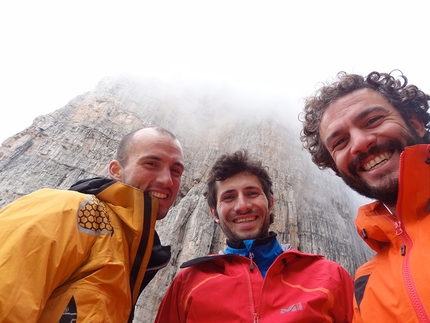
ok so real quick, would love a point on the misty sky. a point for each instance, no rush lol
(52, 51)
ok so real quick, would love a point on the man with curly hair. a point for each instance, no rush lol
(374, 132)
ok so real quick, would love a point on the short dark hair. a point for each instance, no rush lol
(229, 165)
(407, 99)
(126, 141)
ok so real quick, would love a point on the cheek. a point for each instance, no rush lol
(340, 160)
(222, 212)
(177, 182)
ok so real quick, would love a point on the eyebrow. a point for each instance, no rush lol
(227, 191)
(154, 157)
(250, 187)
(363, 114)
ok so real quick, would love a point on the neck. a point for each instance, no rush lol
(258, 241)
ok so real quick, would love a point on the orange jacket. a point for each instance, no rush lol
(74, 256)
(394, 285)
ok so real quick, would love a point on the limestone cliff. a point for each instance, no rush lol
(314, 209)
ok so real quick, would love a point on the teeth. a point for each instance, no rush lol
(159, 195)
(378, 160)
(245, 220)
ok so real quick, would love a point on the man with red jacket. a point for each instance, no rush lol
(256, 279)
(373, 132)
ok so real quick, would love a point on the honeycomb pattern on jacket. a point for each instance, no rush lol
(93, 217)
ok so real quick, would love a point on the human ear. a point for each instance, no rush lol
(214, 214)
(417, 124)
(272, 202)
(115, 170)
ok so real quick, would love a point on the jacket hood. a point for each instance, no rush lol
(373, 228)
(92, 185)
(378, 228)
(125, 200)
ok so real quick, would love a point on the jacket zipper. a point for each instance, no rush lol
(406, 246)
(251, 263)
(251, 269)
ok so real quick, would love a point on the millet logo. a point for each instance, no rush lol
(292, 308)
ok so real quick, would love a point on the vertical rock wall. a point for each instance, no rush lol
(314, 210)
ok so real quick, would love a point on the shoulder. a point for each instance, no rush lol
(44, 201)
(46, 213)
(313, 264)
(203, 260)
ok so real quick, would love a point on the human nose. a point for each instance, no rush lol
(164, 177)
(242, 204)
(361, 141)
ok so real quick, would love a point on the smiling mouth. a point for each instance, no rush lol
(250, 219)
(377, 161)
(158, 195)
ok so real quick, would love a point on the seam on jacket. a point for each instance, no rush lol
(147, 208)
(359, 287)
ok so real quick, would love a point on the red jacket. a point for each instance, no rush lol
(297, 287)
(394, 285)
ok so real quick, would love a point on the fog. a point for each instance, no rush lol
(53, 51)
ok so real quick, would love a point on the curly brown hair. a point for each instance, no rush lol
(407, 99)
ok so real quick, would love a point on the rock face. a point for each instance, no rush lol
(314, 209)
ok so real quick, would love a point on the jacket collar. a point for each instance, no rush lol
(375, 225)
(255, 242)
(262, 251)
(92, 185)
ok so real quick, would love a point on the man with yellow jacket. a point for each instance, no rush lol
(374, 133)
(85, 254)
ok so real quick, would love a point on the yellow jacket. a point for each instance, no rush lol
(75, 257)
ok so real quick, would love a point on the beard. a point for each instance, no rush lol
(261, 231)
(387, 190)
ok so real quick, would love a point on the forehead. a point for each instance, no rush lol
(349, 107)
(150, 142)
(357, 99)
(238, 182)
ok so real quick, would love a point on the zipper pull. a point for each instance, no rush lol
(251, 265)
(428, 155)
(256, 318)
(399, 231)
(398, 226)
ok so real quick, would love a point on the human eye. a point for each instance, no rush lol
(338, 143)
(150, 164)
(253, 193)
(227, 197)
(177, 171)
(374, 121)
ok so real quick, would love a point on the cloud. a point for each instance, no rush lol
(54, 51)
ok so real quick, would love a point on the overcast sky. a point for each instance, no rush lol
(52, 51)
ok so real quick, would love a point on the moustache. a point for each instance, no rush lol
(392, 144)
